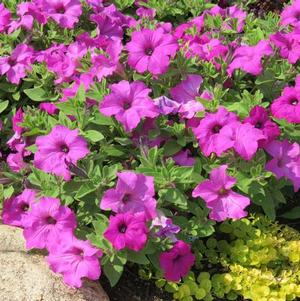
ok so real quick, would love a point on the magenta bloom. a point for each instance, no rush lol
(290, 15)
(48, 107)
(129, 103)
(287, 106)
(5, 16)
(177, 262)
(183, 158)
(244, 138)
(46, 222)
(64, 12)
(248, 58)
(218, 196)
(208, 131)
(18, 118)
(75, 259)
(17, 64)
(16, 162)
(288, 44)
(285, 162)
(126, 230)
(134, 193)
(15, 209)
(259, 118)
(188, 89)
(58, 149)
(151, 50)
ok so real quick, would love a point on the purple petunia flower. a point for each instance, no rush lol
(16, 162)
(218, 196)
(58, 149)
(15, 209)
(134, 193)
(129, 103)
(126, 230)
(290, 15)
(177, 262)
(16, 65)
(151, 50)
(184, 158)
(75, 259)
(46, 222)
(166, 227)
(5, 16)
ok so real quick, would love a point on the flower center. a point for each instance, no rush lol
(50, 220)
(126, 105)
(11, 62)
(149, 51)
(60, 9)
(64, 148)
(258, 125)
(294, 102)
(122, 228)
(223, 192)
(177, 258)
(126, 198)
(216, 129)
(24, 207)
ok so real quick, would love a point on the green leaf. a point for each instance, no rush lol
(85, 189)
(137, 257)
(93, 135)
(113, 272)
(171, 147)
(292, 214)
(3, 105)
(174, 196)
(36, 94)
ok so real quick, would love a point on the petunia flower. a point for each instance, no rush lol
(74, 259)
(15, 162)
(285, 162)
(220, 198)
(290, 14)
(5, 16)
(134, 193)
(177, 262)
(129, 103)
(248, 58)
(16, 65)
(184, 158)
(58, 149)
(15, 209)
(46, 222)
(126, 230)
(151, 50)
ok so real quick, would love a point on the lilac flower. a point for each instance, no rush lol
(244, 138)
(259, 118)
(288, 44)
(75, 259)
(188, 89)
(285, 162)
(166, 227)
(5, 16)
(248, 58)
(15, 209)
(17, 64)
(166, 105)
(46, 222)
(290, 14)
(64, 12)
(58, 149)
(218, 196)
(129, 103)
(177, 262)
(151, 50)
(126, 230)
(183, 158)
(287, 106)
(209, 129)
(134, 193)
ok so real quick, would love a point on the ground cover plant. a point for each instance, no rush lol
(159, 136)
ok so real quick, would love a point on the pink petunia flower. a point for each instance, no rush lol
(47, 223)
(75, 259)
(16, 65)
(166, 105)
(208, 131)
(243, 138)
(285, 162)
(16, 162)
(15, 209)
(290, 14)
(48, 107)
(16, 120)
(184, 158)
(5, 16)
(287, 106)
(65, 13)
(126, 230)
(177, 262)
(288, 44)
(134, 193)
(218, 196)
(259, 118)
(151, 50)
(58, 149)
(248, 58)
(129, 103)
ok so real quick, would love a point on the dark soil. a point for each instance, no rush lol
(132, 288)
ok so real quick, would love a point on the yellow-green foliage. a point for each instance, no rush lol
(253, 258)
